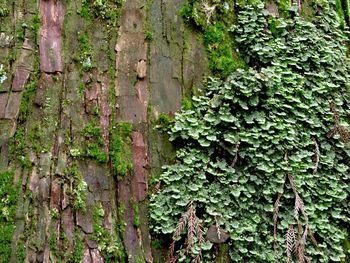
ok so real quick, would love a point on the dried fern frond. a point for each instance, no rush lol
(313, 239)
(194, 229)
(198, 258)
(290, 243)
(218, 231)
(344, 135)
(275, 218)
(317, 156)
(208, 10)
(234, 161)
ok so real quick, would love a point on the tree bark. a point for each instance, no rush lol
(75, 72)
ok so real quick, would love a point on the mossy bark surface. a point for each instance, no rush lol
(84, 86)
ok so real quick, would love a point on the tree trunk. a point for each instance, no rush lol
(82, 84)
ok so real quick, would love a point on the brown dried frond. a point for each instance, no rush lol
(275, 218)
(191, 231)
(300, 247)
(344, 135)
(317, 156)
(299, 204)
(156, 187)
(208, 10)
(311, 235)
(194, 229)
(236, 156)
(180, 226)
(198, 258)
(290, 243)
(218, 231)
(171, 257)
(199, 232)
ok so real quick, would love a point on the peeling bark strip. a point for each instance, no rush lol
(140, 161)
(52, 15)
(133, 96)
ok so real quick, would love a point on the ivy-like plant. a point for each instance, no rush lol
(268, 144)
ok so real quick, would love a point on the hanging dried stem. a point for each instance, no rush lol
(317, 156)
(236, 156)
(295, 244)
(208, 10)
(275, 217)
(344, 135)
(218, 231)
(290, 243)
(194, 229)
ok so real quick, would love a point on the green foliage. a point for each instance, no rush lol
(286, 116)
(120, 148)
(8, 205)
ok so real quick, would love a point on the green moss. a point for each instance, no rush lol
(35, 23)
(148, 35)
(20, 251)
(139, 259)
(95, 143)
(79, 186)
(108, 241)
(223, 60)
(84, 56)
(53, 243)
(284, 5)
(120, 148)
(8, 205)
(186, 103)
(81, 88)
(84, 11)
(18, 148)
(4, 12)
(27, 99)
(78, 251)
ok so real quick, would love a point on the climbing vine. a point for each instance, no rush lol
(265, 153)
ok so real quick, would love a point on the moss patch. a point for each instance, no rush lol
(120, 149)
(8, 196)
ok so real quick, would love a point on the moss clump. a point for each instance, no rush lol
(108, 241)
(284, 5)
(78, 251)
(84, 56)
(223, 60)
(8, 205)
(95, 143)
(18, 148)
(120, 149)
(35, 23)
